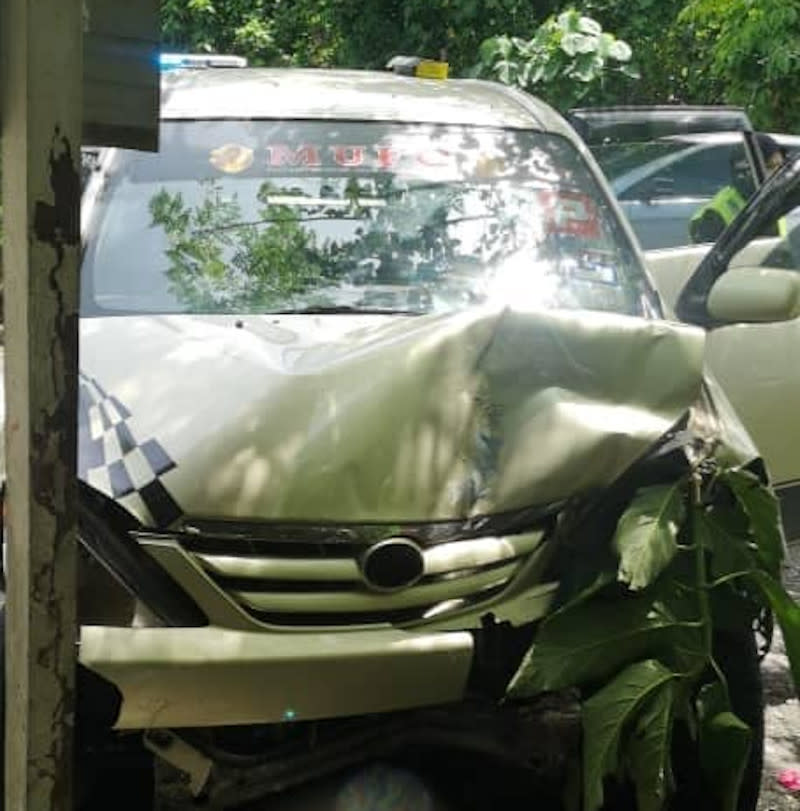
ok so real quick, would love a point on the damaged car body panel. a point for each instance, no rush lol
(245, 677)
(487, 411)
(526, 384)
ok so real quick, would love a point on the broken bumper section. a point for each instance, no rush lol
(181, 677)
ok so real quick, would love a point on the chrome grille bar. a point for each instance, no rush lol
(321, 584)
(447, 557)
(321, 602)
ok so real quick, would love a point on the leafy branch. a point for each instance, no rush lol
(643, 656)
(568, 56)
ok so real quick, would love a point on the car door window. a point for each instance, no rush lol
(695, 172)
(666, 184)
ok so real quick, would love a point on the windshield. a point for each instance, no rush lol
(300, 216)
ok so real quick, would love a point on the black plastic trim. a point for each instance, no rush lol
(104, 530)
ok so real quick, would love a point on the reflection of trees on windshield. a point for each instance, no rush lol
(219, 263)
(222, 261)
(225, 219)
(371, 243)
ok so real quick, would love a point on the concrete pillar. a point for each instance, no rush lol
(41, 119)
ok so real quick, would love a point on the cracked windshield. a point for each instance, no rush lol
(263, 217)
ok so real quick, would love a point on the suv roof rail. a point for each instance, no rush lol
(173, 61)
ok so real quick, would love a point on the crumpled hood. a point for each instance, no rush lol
(373, 419)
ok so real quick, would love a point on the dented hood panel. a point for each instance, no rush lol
(373, 418)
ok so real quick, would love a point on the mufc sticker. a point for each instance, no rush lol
(235, 158)
(111, 460)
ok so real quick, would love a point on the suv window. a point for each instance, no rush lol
(698, 172)
(288, 216)
(664, 184)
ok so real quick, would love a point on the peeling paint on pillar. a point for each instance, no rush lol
(57, 225)
(41, 120)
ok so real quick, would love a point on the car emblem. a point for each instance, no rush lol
(393, 564)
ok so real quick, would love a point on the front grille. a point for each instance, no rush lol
(320, 583)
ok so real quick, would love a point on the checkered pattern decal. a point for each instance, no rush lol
(112, 461)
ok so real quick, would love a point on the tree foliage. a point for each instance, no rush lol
(568, 58)
(690, 51)
(753, 53)
(267, 32)
(217, 260)
(373, 32)
(671, 58)
(643, 655)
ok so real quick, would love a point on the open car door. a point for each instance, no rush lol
(758, 364)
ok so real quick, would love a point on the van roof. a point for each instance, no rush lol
(350, 95)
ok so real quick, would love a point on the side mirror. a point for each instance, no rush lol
(755, 295)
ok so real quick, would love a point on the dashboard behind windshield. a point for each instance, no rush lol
(303, 216)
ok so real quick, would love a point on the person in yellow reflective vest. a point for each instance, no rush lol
(712, 219)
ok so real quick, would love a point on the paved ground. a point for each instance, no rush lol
(782, 750)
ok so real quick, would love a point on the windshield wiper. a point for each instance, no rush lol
(343, 309)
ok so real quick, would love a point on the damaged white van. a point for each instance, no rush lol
(372, 381)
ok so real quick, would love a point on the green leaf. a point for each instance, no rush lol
(648, 749)
(730, 553)
(712, 699)
(761, 507)
(551, 70)
(488, 49)
(568, 20)
(724, 750)
(787, 612)
(620, 50)
(584, 68)
(604, 43)
(606, 714)
(587, 45)
(646, 534)
(590, 641)
(570, 43)
(630, 71)
(503, 71)
(537, 73)
(203, 6)
(586, 25)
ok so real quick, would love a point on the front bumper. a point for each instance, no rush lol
(181, 677)
(241, 670)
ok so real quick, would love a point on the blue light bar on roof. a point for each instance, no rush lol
(171, 61)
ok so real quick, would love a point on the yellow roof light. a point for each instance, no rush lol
(428, 69)
(416, 66)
